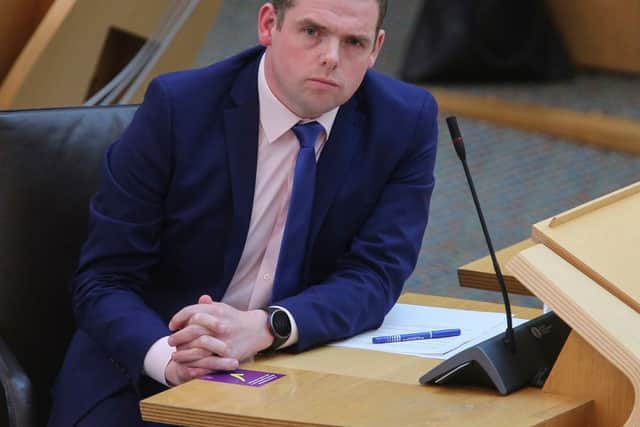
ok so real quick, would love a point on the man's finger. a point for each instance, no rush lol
(214, 363)
(181, 318)
(205, 299)
(189, 355)
(187, 334)
(211, 323)
(207, 344)
(197, 372)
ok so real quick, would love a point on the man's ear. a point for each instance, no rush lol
(376, 48)
(267, 20)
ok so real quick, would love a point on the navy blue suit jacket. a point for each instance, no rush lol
(171, 218)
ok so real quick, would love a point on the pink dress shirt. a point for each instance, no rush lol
(252, 282)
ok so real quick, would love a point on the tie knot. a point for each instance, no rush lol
(307, 133)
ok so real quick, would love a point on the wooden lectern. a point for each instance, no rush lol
(585, 268)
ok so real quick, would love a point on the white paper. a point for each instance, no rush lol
(475, 327)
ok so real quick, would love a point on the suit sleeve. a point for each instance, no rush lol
(370, 276)
(122, 248)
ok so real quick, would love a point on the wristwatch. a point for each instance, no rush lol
(279, 326)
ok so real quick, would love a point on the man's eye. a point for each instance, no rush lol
(354, 42)
(310, 31)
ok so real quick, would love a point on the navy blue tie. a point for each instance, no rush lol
(296, 231)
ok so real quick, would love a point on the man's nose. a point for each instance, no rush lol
(331, 54)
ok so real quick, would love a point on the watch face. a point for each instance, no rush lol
(281, 323)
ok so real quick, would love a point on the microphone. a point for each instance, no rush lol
(497, 362)
(458, 144)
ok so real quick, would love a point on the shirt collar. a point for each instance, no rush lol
(275, 118)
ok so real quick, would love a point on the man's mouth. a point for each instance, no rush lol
(323, 81)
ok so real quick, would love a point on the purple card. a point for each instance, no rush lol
(243, 377)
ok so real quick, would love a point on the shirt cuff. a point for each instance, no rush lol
(293, 338)
(157, 359)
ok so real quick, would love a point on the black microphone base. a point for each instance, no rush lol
(492, 363)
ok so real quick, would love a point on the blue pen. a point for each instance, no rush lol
(442, 333)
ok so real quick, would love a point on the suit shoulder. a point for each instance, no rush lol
(395, 94)
(208, 81)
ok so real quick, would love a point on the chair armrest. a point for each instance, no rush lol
(17, 390)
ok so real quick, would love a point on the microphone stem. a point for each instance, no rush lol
(509, 338)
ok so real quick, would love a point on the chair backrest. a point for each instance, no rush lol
(50, 165)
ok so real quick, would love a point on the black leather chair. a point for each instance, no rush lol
(50, 164)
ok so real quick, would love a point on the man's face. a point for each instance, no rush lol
(318, 58)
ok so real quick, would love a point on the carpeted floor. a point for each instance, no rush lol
(521, 178)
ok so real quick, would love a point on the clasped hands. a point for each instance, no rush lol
(211, 336)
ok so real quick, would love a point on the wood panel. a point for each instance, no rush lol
(479, 274)
(58, 63)
(595, 129)
(186, 45)
(609, 326)
(307, 398)
(601, 239)
(610, 389)
(18, 21)
(31, 53)
(600, 33)
(339, 386)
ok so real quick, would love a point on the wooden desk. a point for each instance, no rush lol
(340, 386)
(479, 274)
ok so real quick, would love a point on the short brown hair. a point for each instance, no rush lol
(282, 5)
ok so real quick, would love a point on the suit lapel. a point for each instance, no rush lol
(335, 161)
(241, 123)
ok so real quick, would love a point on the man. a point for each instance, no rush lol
(216, 235)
